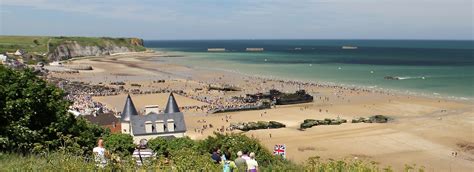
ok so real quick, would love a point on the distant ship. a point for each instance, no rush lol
(216, 49)
(254, 49)
(346, 47)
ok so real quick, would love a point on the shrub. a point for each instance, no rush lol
(121, 144)
(163, 146)
(187, 159)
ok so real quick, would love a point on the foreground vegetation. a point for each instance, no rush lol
(38, 134)
(183, 160)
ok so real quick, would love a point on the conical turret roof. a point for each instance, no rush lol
(128, 110)
(171, 106)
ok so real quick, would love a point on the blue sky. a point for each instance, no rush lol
(244, 19)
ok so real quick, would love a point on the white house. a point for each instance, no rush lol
(56, 63)
(169, 123)
(19, 52)
(3, 58)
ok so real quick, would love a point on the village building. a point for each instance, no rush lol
(19, 52)
(56, 63)
(106, 120)
(3, 58)
(153, 123)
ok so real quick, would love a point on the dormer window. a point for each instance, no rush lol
(160, 126)
(148, 126)
(170, 125)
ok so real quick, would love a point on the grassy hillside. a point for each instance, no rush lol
(29, 43)
(39, 44)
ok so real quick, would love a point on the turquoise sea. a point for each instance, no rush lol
(428, 67)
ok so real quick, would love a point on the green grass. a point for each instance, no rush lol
(12, 43)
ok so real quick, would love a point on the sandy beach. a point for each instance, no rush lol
(424, 131)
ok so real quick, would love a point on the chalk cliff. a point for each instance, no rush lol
(101, 46)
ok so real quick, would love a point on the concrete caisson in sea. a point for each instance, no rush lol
(347, 47)
(254, 49)
(216, 49)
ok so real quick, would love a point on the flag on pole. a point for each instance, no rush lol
(280, 149)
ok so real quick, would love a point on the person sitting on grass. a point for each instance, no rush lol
(227, 164)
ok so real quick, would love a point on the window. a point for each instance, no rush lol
(160, 126)
(170, 125)
(148, 127)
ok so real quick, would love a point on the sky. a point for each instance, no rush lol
(241, 19)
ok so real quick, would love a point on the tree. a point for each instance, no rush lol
(34, 117)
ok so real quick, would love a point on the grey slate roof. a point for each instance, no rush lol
(103, 119)
(171, 106)
(128, 110)
(138, 122)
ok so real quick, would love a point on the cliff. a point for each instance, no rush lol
(71, 47)
(61, 48)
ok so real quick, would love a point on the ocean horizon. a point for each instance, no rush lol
(441, 68)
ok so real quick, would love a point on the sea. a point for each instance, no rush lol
(439, 68)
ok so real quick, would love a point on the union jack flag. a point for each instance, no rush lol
(280, 149)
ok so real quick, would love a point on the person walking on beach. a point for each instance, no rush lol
(100, 154)
(227, 164)
(252, 165)
(240, 162)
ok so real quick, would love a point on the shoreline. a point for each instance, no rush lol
(321, 82)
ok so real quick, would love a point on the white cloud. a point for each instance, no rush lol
(270, 18)
(110, 9)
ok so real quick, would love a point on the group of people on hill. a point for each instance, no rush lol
(243, 162)
(142, 154)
